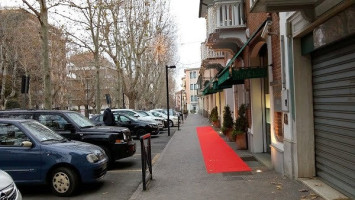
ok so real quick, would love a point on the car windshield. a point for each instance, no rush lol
(143, 113)
(156, 114)
(80, 120)
(128, 117)
(41, 132)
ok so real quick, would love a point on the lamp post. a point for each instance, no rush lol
(167, 94)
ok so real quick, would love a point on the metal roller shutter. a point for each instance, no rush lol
(334, 114)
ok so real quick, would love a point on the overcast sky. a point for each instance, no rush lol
(191, 32)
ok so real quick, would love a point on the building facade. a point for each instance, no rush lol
(191, 88)
(292, 64)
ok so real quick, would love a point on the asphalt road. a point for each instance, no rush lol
(120, 182)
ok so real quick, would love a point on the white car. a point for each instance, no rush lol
(133, 113)
(161, 120)
(174, 120)
(8, 189)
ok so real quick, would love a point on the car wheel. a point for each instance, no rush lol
(64, 181)
(171, 123)
(140, 132)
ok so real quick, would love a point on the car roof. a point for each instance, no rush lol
(14, 120)
(36, 111)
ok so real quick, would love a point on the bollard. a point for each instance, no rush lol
(146, 157)
(178, 123)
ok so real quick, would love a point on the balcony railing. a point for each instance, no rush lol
(224, 15)
(207, 53)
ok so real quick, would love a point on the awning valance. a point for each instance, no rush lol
(239, 75)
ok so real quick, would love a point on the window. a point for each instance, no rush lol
(193, 86)
(54, 122)
(11, 135)
(193, 97)
(124, 119)
(192, 74)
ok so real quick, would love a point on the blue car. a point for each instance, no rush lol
(33, 154)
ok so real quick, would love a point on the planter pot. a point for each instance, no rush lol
(217, 124)
(241, 141)
(229, 134)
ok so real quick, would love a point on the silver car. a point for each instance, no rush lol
(8, 189)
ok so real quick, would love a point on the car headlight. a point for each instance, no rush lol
(92, 158)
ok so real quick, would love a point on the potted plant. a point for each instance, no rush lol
(241, 127)
(227, 126)
(214, 117)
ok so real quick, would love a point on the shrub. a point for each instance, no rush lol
(241, 124)
(227, 118)
(214, 114)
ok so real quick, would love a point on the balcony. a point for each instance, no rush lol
(281, 5)
(207, 53)
(225, 15)
(226, 25)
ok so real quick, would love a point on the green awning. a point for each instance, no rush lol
(217, 87)
(208, 90)
(226, 69)
(239, 75)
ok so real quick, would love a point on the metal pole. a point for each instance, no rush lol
(167, 98)
(87, 98)
(124, 106)
(123, 103)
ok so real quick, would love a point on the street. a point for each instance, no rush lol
(120, 182)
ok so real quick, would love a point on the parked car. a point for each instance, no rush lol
(115, 141)
(174, 120)
(34, 154)
(134, 113)
(136, 126)
(162, 122)
(8, 189)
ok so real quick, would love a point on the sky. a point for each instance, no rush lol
(191, 33)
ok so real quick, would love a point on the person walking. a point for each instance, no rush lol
(109, 119)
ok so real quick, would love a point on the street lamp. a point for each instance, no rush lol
(167, 94)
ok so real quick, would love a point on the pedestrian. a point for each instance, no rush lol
(109, 119)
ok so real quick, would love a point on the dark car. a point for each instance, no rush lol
(34, 154)
(115, 141)
(136, 126)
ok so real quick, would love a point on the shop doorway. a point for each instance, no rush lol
(263, 61)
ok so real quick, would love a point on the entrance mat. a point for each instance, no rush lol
(218, 156)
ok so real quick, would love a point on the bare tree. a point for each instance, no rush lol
(21, 43)
(42, 16)
(90, 23)
(131, 32)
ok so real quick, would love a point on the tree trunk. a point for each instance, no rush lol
(2, 95)
(97, 77)
(45, 56)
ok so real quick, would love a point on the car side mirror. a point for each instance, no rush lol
(26, 144)
(136, 115)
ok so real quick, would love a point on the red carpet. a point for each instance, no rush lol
(218, 156)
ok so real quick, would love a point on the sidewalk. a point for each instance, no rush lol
(180, 174)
